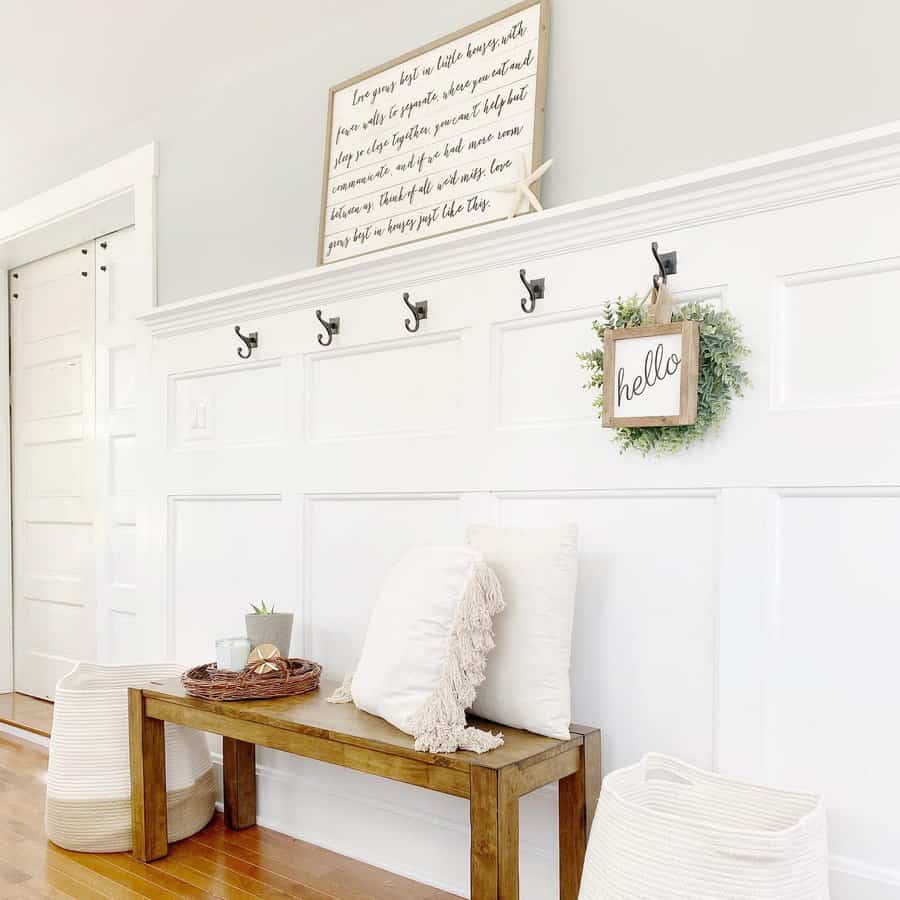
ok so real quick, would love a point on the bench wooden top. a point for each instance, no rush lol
(311, 715)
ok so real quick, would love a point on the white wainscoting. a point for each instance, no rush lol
(736, 602)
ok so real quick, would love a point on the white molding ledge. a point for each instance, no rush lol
(860, 161)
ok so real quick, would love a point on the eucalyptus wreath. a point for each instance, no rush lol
(721, 376)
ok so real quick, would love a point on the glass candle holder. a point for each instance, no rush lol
(232, 653)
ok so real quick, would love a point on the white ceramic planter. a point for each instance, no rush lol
(272, 629)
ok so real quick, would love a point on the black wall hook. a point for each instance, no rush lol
(667, 263)
(535, 288)
(419, 311)
(251, 342)
(331, 326)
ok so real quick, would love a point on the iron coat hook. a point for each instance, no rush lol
(251, 342)
(667, 263)
(535, 288)
(419, 311)
(331, 326)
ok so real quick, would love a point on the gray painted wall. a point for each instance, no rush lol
(637, 92)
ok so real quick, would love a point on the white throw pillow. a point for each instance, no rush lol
(527, 681)
(426, 648)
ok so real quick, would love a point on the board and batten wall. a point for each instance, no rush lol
(737, 603)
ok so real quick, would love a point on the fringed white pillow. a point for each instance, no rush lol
(426, 648)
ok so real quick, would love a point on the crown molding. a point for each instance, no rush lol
(860, 161)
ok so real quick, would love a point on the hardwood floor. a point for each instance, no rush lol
(217, 862)
(26, 712)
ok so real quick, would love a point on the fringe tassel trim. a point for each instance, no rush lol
(342, 694)
(440, 725)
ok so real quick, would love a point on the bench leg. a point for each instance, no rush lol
(239, 776)
(578, 795)
(147, 750)
(494, 816)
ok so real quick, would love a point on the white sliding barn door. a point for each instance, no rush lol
(52, 330)
(118, 282)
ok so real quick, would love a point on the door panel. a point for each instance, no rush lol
(118, 276)
(52, 329)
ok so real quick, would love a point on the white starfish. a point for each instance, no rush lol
(521, 189)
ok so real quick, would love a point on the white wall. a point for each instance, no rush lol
(736, 602)
(637, 92)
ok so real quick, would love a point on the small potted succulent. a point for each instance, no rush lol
(265, 626)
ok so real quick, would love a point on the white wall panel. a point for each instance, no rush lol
(836, 340)
(351, 542)
(537, 373)
(238, 405)
(832, 687)
(225, 552)
(644, 651)
(407, 388)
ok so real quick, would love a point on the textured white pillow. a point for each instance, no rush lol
(426, 648)
(527, 680)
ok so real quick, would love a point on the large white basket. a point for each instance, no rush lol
(665, 830)
(89, 779)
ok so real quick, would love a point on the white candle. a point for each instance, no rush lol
(232, 653)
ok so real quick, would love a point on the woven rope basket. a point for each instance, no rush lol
(89, 779)
(666, 830)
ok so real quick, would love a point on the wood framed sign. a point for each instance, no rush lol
(418, 146)
(650, 375)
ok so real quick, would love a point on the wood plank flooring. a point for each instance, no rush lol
(217, 862)
(27, 713)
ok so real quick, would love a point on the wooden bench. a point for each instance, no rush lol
(340, 734)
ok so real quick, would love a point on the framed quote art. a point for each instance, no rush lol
(432, 142)
(650, 375)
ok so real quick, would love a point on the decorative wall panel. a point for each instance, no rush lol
(225, 552)
(837, 336)
(350, 543)
(834, 665)
(238, 405)
(537, 374)
(644, 653)
(407, 388)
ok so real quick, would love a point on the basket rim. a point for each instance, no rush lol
(649, 758)
(228, 675)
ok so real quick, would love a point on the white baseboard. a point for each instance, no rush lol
(24, 735)
(854, 879)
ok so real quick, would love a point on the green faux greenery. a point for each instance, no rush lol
(262, 609)
(721, 375)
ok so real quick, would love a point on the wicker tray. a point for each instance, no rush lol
(294, 676)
